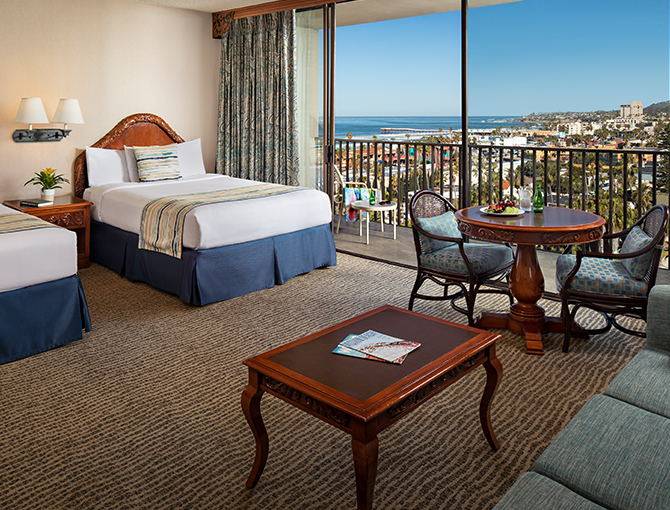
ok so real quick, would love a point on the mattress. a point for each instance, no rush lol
(215, 225)
(36, 256)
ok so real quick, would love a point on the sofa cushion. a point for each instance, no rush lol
(601, 276)
(658, 318)
(482, 257)
(645, 381)
(613, 454)
(533, 491)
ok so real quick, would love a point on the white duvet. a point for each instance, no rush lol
(35, 256)
(213, 225)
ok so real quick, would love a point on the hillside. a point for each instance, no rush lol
(656, 108)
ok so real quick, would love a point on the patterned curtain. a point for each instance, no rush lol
(257, 136)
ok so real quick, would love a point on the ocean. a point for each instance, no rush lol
(365, 127)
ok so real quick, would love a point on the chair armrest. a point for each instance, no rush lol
(599, 255)
(457, 240)
(658, 318)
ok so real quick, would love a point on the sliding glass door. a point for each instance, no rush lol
(315, 62)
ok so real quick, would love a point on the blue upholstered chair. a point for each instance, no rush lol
(614, 283)
(444, 258)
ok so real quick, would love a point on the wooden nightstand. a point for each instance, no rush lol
(68, 212)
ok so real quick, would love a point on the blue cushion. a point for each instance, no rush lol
(444, 225)
(533, 491)
(482, 257)
(636, 240)
(600, 276)
(645, 381)
(614, 454)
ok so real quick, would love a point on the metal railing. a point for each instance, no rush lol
(617, 184)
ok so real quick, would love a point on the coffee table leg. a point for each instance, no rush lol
(251, 405)
(365, 447)
(493, 375)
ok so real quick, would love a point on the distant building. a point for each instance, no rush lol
(575, 128)
(627, 122)
(634, 110)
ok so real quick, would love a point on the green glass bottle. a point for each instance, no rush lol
(538, 200)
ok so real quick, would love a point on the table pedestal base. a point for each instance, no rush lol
(532, 331)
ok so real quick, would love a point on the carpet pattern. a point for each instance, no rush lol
(144, 412)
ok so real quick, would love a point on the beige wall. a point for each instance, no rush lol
(117, 57)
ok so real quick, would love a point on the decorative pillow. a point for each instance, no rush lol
(131, 163)
(444, 225)
(190, 158)
(636, 240)
(352, 195)
(157, 163)
(105, 166)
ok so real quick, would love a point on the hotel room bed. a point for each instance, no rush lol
(229, 249)
(42, 302)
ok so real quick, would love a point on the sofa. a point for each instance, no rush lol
(615, 452)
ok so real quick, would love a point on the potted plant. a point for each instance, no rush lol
(49, 180)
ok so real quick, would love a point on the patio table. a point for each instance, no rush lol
(364, 205)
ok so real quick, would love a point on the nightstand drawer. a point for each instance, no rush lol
(68, 219)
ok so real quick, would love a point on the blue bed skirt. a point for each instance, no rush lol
(40, 317)
(201, 277)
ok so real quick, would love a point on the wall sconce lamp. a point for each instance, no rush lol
(31, 111)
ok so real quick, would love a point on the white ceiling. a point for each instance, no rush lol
(365, 11)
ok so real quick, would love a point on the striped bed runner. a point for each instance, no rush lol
(162, 223)
(18, 222)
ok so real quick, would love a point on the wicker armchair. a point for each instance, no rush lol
(613, 283)
(444, 258)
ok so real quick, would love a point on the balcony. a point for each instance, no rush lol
(614, 183)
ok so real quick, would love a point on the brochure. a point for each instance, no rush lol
(378, 346)
(347, 351)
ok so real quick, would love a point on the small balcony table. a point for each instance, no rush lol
(364, 205)
(554, 226)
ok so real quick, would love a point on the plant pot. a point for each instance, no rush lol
(48, 194)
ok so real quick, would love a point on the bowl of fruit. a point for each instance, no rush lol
(503, 208)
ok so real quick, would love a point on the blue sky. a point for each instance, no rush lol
(524, 57)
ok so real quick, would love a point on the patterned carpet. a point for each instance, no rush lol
(144, 412)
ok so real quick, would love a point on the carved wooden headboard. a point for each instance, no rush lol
(140, 129)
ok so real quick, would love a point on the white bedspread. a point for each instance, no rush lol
(35, 256)
(214, 225)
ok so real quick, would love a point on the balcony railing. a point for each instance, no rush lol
(617, 184)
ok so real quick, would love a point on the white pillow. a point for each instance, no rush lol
(105, 166)
(131, 163)
(190, 158)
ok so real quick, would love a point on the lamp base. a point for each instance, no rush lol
(40, 135)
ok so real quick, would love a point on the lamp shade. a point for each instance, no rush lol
(31, 111)
(68, 112)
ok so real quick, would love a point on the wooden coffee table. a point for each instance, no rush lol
(362, 397)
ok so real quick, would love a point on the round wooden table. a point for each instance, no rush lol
(554, 226)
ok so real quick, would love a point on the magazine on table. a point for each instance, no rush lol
(376, 346)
